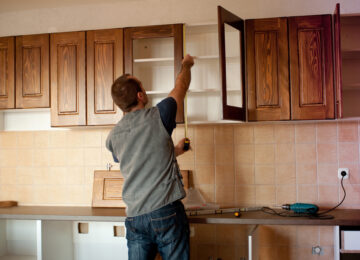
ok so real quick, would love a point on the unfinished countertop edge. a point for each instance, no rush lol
(342, 217)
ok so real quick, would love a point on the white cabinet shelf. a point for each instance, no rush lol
(150, 60)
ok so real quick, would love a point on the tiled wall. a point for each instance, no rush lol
(232, 165)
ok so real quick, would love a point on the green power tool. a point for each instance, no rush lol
(301, 208)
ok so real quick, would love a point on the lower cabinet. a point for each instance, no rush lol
(347, 243)
(20, 239)
(62, 240)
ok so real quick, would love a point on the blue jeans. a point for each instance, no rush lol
(165, 230)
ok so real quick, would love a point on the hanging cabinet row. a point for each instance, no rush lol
(283, 72)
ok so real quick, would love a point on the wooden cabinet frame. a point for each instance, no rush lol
(7, 71)
(225, 17)
(104, 65)
(32, 71)
(68, 86)
(158, 31)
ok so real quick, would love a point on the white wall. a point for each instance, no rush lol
(39, 16)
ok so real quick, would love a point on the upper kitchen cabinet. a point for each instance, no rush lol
(267, 69)
(32, 71)
(311, 67)
(7, 71)
(309, 94)
(104, 66)
(68, 89)
(154, 54)
(347, 64)
(217, 88)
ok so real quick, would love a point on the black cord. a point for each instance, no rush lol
(320, 215)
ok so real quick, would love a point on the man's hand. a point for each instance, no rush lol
(179, 148)
(188, 61)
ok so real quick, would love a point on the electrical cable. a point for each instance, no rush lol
(320, 215)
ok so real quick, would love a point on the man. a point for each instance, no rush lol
(141, 142)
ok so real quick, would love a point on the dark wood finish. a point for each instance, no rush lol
(337, 60)
(267, 69)
(68, 89)
(7, 71)
(158, 31)
(104, 66)
(8, 203)
(342, 217)
(224, 16)
(311, 67)
(32, 71)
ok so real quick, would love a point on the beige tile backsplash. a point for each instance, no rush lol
(232, 165)
(263, 162)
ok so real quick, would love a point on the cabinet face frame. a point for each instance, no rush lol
(158, 31)
(304, 30)
(338, 61)
(104, 52)
(32, 71)
(67, 61)
(7, 72)
(225, 17)
(267, 70)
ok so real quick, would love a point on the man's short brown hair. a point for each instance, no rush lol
(124, 92)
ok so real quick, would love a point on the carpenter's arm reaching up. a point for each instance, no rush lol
(182, 81)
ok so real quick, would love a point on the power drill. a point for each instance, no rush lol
(301, 208)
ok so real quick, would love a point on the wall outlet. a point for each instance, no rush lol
(346, 170)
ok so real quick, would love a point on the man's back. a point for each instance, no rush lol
(145, 151)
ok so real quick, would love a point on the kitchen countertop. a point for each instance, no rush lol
(342, 217)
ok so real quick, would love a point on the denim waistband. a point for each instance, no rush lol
(174, 204)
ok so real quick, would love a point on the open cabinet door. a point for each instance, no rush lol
(232, 65)
(337, 53)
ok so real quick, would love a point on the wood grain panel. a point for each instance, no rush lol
(311, 67)
(7, 71)
(3, 72)
(157, 31)
(310, 64)
(68, 99)
(68, 79)
(107, 189)
(267, 69)
(337, 60)
(32, 71)
(266, 57)
(104, 66)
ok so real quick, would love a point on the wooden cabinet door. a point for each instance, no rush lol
(267, 69)
(158, 31)
(311, 67)
(32, 71)
(104, 66)
(231, 48)
(68, 89)
(7, 70)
